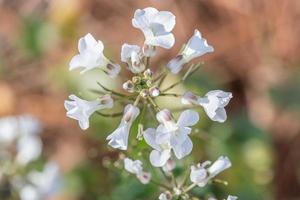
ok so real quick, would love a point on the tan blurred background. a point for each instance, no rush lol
(257, 57)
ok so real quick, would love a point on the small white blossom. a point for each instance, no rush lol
(135, 167)
(42, 184)
(81, 110)
(91, 56)
(213, 103)
(196, 47)
(132, 55)
(156, 26)
(170, 135)
(230, 197)
(200, 174)
(165, 196)
(119, 138)
(29, 148)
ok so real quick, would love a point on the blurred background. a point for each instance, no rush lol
(257, 58)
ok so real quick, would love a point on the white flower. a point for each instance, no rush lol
(156, 26)
(170, 135)
(213, 103)
(165, 196)
(135, 167)
(81, 110)
(232, 197)
(91, 56)
(132, 55)
(200, 174)
(29, 148)
(119, 138)
(8, 130)
(196, 46)
(42, 184)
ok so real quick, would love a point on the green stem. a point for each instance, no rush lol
(160, 185)
(110, 115)
(155, 106)
(171, 94)
(190, 187)
(109, 90)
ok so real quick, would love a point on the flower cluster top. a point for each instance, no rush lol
(171, 136)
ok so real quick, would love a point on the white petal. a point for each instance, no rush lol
(184, 149)
(198, 175)
(29, 148)
(196, 46)
(149, 136)
(220, 115)
(127, 50)
(165, 41)
(188, 118)
(167, 19)
(143, 18)
(219, 165)
(158, 158)
(119, 138)
(134, 167)
(176, 64)
(29, 192)
(232, 197)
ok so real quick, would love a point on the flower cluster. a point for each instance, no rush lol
(20, 144)
(171, 136)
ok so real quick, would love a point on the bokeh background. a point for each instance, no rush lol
(257, 57)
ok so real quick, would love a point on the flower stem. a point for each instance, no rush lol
(111, 91)
(171, 94)
(137, 100)
(155, 106)
(190, 187)
(110, 115)
(160, 185)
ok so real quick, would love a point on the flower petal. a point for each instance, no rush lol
(166, 41)
(159, 158)
(149, 136)
(188, 118)
(184, 149)
(167, 19)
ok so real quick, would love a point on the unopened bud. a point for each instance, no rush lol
(149, 83)
(154, 91)
(128, 86)
(148, 73)
(136, 79)
(144, 93)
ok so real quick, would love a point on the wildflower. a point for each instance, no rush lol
(201, 175)
(169, 166)
(135, 167)
(232, 197)
(42, 184)
(196, 46)
(81, 110)
(91, 56)
(156, 26)
(119, 138)
(165, 196)
(132, 55)
(29, 148)
(213, 103)
(170, 135)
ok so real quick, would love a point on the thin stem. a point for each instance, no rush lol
(110, 115)
(137, 100)
(172, 86)
(174, 180)
(160, 76)
(186, 176)
(160, 185)
(171, 94)
(109, 90)
(156, 107)
(147, 62)
(190, 187)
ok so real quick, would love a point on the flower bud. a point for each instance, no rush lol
(128, 86)
(149, 83)
(144, 93)
(136, 79)
(189, 98)
(154, 91)
(148, 73)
